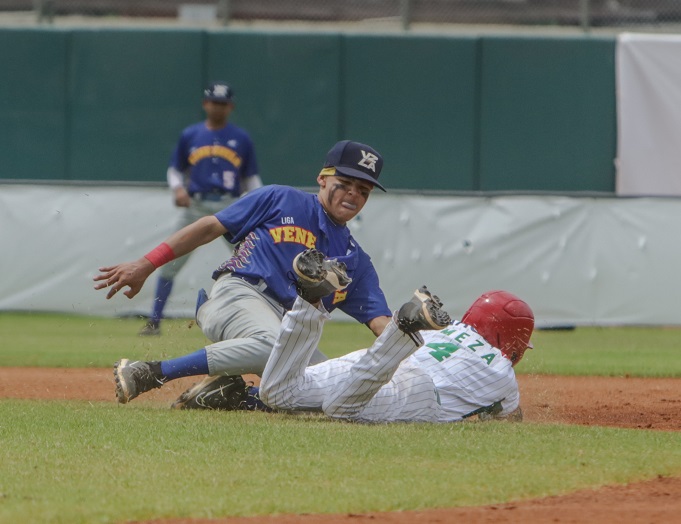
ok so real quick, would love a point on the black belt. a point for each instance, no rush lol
(214, 195)
(257, 283)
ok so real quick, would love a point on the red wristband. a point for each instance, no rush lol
(160, 255)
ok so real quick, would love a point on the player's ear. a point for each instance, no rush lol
(321, 180)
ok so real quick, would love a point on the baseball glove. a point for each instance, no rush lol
(222, 393)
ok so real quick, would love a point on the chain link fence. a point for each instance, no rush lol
(660, 15)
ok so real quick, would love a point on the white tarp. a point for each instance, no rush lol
(649, 114)
(55, 238)
(583, 261)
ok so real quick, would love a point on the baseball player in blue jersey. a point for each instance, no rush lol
(252, 292)
(213, 164)
(423, 367)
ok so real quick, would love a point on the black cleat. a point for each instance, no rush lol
(317, 276)
(422, 312)
(150, 329)
(133, 379)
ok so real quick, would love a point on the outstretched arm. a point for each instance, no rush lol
(134, 274)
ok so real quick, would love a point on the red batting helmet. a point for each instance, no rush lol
(504, 320)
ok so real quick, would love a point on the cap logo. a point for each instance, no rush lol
(368, 161)
(220, 90)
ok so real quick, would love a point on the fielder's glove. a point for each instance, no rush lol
(226, 393)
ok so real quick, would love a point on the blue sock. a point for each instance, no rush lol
(193, 364)
(253, 402)
(163, 289)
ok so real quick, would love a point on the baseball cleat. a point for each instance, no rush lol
(223, 393)
(317, 276)
(133, 379)
(150, 329)
(423, 311)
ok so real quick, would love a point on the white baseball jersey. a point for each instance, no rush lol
(470, 374)
(385, 383)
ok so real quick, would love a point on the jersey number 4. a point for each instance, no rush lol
(443, 350)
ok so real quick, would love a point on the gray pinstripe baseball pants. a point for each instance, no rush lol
(372, 385)
(243, 323)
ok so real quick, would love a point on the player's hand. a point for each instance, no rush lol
(182, 198)
(130, 274)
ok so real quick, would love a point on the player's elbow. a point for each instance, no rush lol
(514, 416)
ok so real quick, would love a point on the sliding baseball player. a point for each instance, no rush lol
(423, 367)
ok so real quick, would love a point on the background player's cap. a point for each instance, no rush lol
(218, 92)
(354, 160)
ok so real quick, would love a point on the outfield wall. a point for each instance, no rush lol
(503, 129)
(582, 261)
(461, 113)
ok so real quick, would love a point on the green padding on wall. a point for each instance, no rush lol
(547, 116)
(287, 91)
(414, 100)
(481, 113)
(32, 104)
(131, 93)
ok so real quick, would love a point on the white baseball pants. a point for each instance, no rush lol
(372, 385)
(243, 323)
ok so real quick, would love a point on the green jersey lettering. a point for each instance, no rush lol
(489, 358)
(443, 350)
(462, 337)
(475, 345)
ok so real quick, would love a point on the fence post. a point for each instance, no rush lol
(224, 11)
(45, 11)
(405, 12)
(585, 15)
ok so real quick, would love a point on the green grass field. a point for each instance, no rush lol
(82, 462)
(73, 341)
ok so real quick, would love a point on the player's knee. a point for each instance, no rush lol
(266, 338)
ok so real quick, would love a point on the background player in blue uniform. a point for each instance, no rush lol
(243, 313)
(213, 163)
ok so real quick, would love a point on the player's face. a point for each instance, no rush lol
(217, 113)
(343, 197)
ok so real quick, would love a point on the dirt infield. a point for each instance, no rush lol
(645, 404)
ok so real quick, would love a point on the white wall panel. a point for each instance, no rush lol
(648, 114)
(583, 261)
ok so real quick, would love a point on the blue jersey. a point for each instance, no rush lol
(216, 160)
(274, 224)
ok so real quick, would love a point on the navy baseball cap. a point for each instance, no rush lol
(218, 92)
(354, 160)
